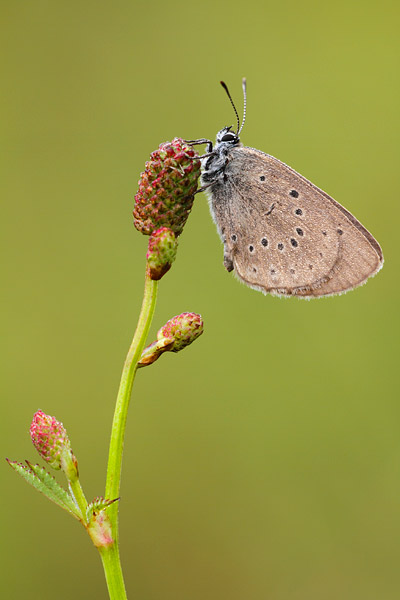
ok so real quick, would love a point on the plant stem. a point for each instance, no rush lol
(113, 572)
(79, 497)
(110, 555)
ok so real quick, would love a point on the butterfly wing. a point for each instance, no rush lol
(283, 235)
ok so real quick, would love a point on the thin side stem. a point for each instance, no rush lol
(79, 496)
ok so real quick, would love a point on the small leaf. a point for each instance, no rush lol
(45, 483)
(97, 505)
(55, 489)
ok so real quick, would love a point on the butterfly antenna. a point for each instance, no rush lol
(234, 107)
(244, 104)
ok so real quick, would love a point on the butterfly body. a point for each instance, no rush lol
(281, 233)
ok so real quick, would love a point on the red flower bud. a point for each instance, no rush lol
(166, 188)
(51, 441)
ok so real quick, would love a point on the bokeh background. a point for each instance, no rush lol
(264, 461)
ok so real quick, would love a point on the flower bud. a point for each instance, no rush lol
(176, 334)
(161, 252)
(166, 188)
(183, 329)
(51, 441)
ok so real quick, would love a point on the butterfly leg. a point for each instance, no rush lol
(201, 157)
(203, 188)
(199, 142)
(211, 179)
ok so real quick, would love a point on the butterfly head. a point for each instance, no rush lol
(227, 137)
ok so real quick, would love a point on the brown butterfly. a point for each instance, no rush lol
(281, 233)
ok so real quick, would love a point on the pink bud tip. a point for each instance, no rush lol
(49, 438)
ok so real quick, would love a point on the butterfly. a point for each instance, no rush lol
(281, 234)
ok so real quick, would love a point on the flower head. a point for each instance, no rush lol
(166, 188)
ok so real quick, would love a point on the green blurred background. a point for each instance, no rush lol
(264, 461)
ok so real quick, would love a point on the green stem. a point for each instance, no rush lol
(79, 496)
(113, 572)
(110, 555)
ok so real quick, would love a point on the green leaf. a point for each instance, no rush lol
(45, 483)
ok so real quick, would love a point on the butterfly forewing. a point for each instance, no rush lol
(284, 235)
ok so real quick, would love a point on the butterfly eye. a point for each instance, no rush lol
(228, 137)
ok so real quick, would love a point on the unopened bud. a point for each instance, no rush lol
(183, 329)
(176, 334)
(161, 252)
(51, 441)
